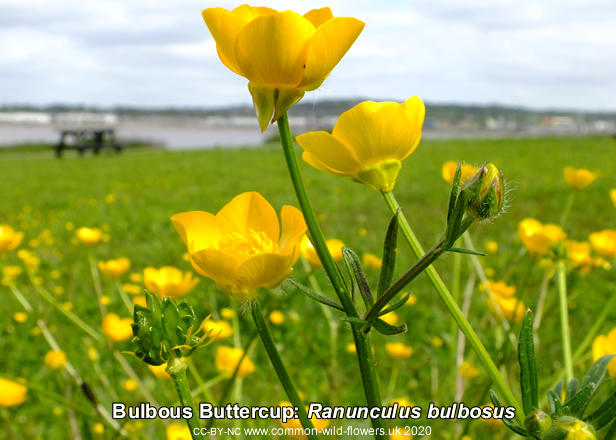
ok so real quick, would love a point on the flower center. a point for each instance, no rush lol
(244, 246)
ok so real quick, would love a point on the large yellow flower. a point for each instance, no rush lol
(114, 269)
(580, 178)
(309, 253)
(241, 247)
(169, 281)
(9, 239)
(368, 142)
(537, 237)
(604, 242)
(282, 54)
(12, 393)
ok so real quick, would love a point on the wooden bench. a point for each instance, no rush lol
(87, 139)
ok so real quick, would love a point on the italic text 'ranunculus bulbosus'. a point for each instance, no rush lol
(368, 142)
(282, 54)
(241, 247)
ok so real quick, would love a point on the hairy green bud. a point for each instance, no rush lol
(570, 428)
(485, 193)
(537, 423)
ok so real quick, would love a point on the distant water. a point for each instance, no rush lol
(173, 138)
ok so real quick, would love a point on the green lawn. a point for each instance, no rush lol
(132, 197)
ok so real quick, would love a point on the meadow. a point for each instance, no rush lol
(131, 197)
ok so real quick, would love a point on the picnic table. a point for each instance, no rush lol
(87, 139)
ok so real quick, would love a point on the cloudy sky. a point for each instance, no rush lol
(536, 54)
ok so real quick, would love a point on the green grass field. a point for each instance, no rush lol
(132, 197)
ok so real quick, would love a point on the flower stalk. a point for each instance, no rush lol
(281, 371)
(177, 370)
(564, 320)
(454, 310)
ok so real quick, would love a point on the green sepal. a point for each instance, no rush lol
(556, 407)
(572, 389)
(395, 305)
(188, 318)
(604, 414)
(315, 296)
(576, 405)
(388, 329)
(508, 423)
(389, 256)
(466, 251)
(153, 304)
(455, 190)
(528, 365)
(453, 226)
(352, 260)
(488, 206)
(171, 321)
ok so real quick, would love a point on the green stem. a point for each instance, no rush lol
(97, 283)
(22, 299)
(281, 371)
(564, 321)
(177, 370)
(125, 299)
(456, 313)
(362, 342)
(568, 206)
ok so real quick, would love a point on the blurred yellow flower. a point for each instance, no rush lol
(604, 345)
(20, 317)
(130, 385)
(390, 318)
(24, 254)
(58, 290)
(89, 236)
(177, 431)
(401, 434)
(499, 288)
(220, 329)
(579, 254)
(491, 421)
(491, 247)
(436, 342)
(350, 348)
(55, 274)
(538, 238)
(613, 196)
(227, 313)
(136, 277)
(282, 54)
(11, 273)
(227, 359)
(578, 178)
(276, 317)
(362, 232)
(371, 262)
(133, 289)
(449, 171)
(105, 300)
(55, 360)
(468, 370)
(140, 300)
(169, 281)
(98, 429)
(9, 239)
(604, 242)
(401, 401)
(293, 427)
(241, 247)
(159, 371)
(118, 329)
(114, 269)
(368, 142)
(397, 350)
(309, 253)
(511, 307)
(411, 301)
(12, 393)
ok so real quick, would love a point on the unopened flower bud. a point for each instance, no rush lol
(537, 423)
(485, 193)
(570, 428)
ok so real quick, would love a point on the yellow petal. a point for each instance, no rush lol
(319, 16)
(249, 13)
(225, 27)
(416, 112)
(271, 49)
(293, 228)
(376, 131)
(329, 151)
(265, 269)
(249, 211)
(311, 160)
(330, 43)
(197, 228)
(216, 264)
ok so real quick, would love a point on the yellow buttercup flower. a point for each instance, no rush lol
(89, 236)
(604, 242)
(159, 371)
(468, 370)
(371, 262)
(390, 318)
(55, 360)
(133, 289)
(114, 269)
(368, 142)
(293, 427)
(397, 350)
(603, 345)
(282, 54)
(140, 300)
(511, 307)
(613, 196)
(578, 178)
(309, 253)
(118, 329)
(276, 317)
(130, 385)
(12, 393)
(20, 317)
(9, 239)
(169, 281)
(491, 247)
(227, 359)
(538, 238)
(500, 288)
(220, 329)
(177, 431)
(241, 247)
(578, 253)
(11, 273)
(401, 434)
(449, 171)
